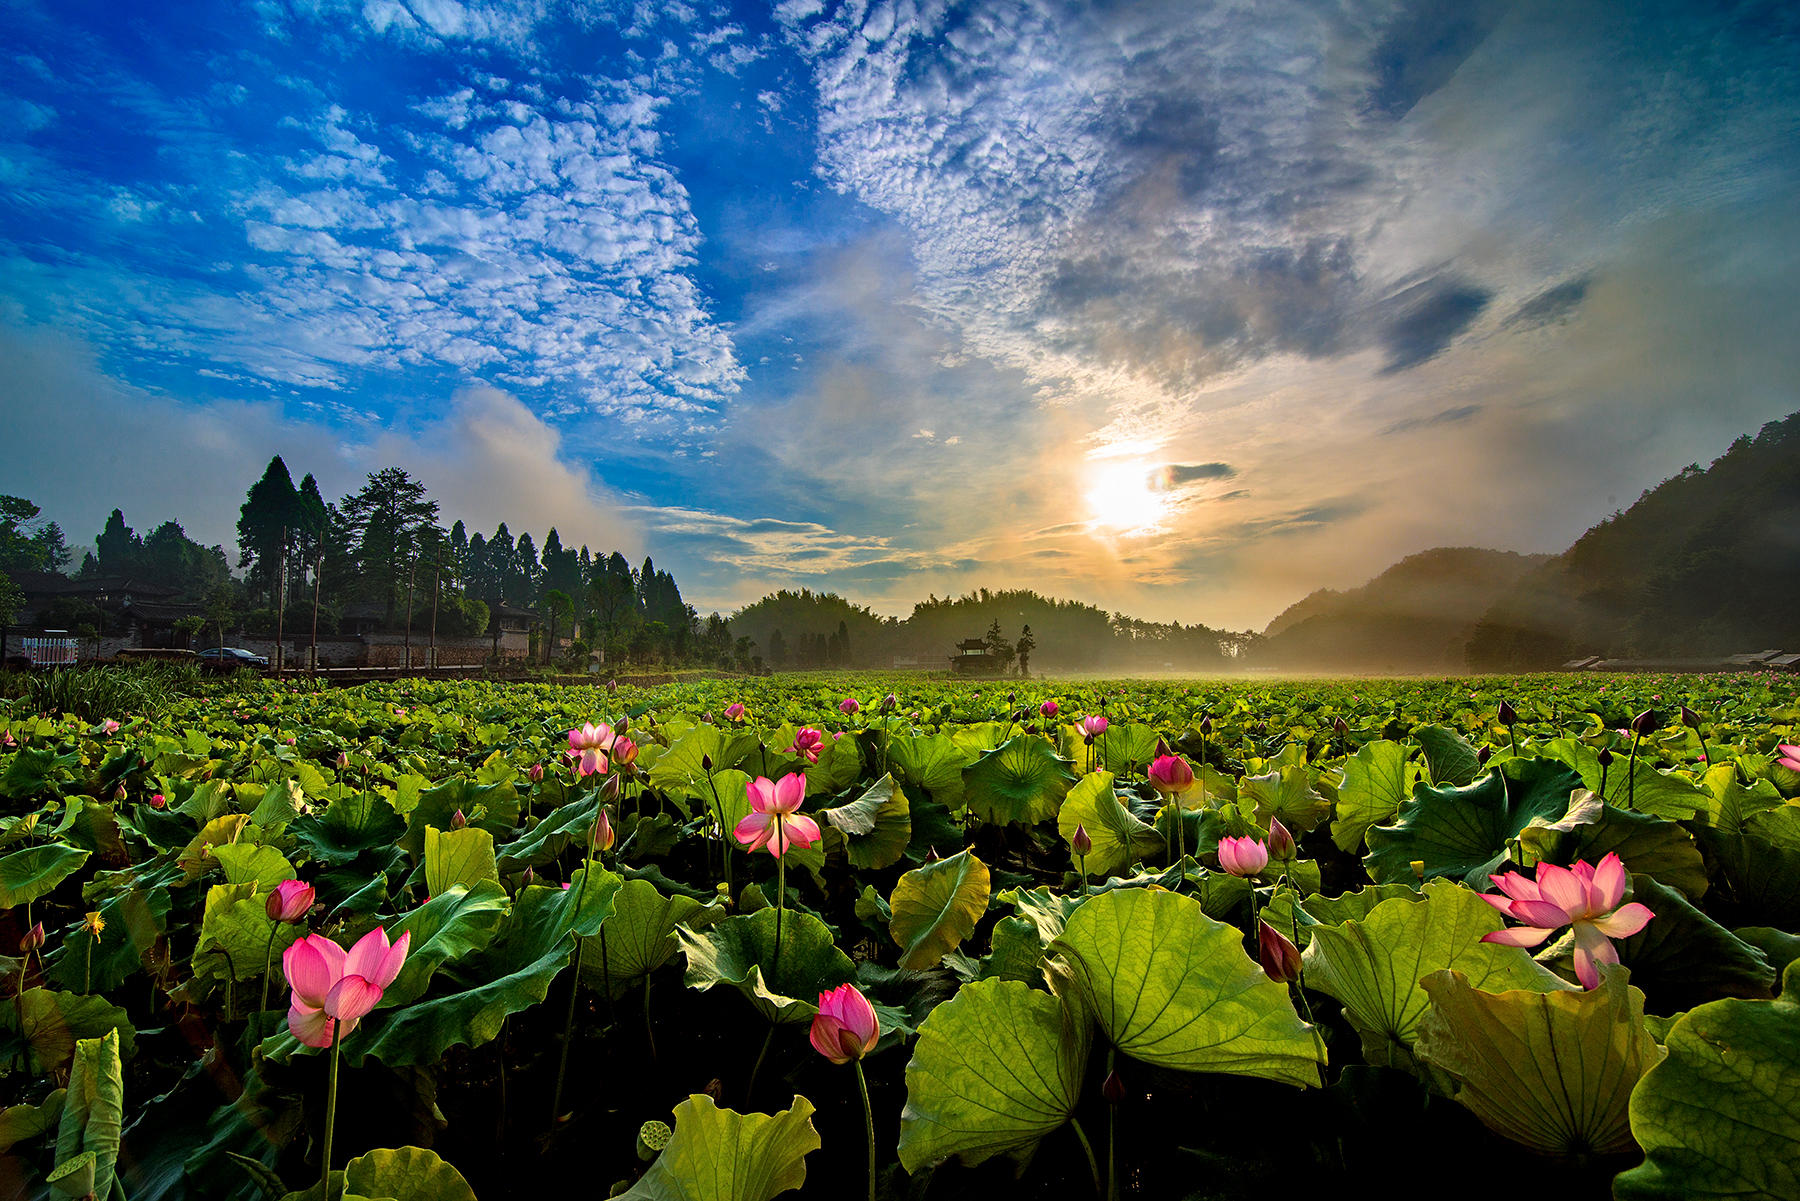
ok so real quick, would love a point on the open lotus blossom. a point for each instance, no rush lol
(1244, 856)
(1790, 756)
(110, 726)
(735, 711)
(1585, 897)
(775, 821)
(845, 1027)
(1170, 774)
(334, 989)
(808, 742)
(1093, 725)
(588, 745)
(849, 705)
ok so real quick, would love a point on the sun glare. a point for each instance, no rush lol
(1124, 498)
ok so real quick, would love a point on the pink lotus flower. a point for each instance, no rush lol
(845, 1027)
(1244, 856)
(1093, 725)
(624, 753)
(335, 989)
(110, 726)
(1585, 897)
(1170, 774)
(1048, 708)
(588, 745)
(1790, 756)
(290, 901)
(1279, 957)
(849, 705)
(1281, 840)
(602, 836)
(735, 711)
(808, 742)
(158, 800)
(775, 821)
(535, 772)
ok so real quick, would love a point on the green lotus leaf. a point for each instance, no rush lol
(1761, 862)
(1374, 964)
(348, 827)
(1376, 780)
(492, 807)
(681, 769)
(1778, 946)
(405, 1174)
(1683, 957)
(1119, 837)
(456, 922)
(1023, 780)
(1019, 943)
(933, 763)
(740, 952)
(282, 802)
(1720, 1116)
(136, 919)
(235, 934)
(23, 1123)
(33, 768)
(1551, 1070)
(1125, 747)
(565, 826)
(1646, 788)
(996, 1068)
(877, 825)
(1286, 793)
(1730, 803)
(977, 738)
(29, 874)
(94, 1107)
(935, 907)
(464, 857)
(1448, 756)
(1462, 832)
(253, 863)
(40, 1029)
(722, 1155)
(838, 766)
(640, 935)
(1174, 988)
(1591, 829)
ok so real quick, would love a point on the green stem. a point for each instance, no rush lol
(1081, 866)
(724, 834)
(1093, 1164)
(756, 1068)
(868, 1124)
(1631, 774)
(268, 959)
(780, 902)
(330, 1117)
(562, 1066)
(1704, 753)
(1112, 1160)
(649, 1033)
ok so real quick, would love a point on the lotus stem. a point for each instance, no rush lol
(1112, 1147)
(649, 1033)
(268, 961)
(868, 1123)
(1093, 1164)
(562, 1066)
(756, 1068)
(780, 897)
(1631, 774)
(330, 1116)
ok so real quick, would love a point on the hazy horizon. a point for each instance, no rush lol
(1184, 311)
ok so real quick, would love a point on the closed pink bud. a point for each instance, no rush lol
(1243, 856)
(1093, 725)
(735, 711)
(1048, 708)
(119, 792)
(603, 832)
(158, 801)
(849, 705)
(1281, 842)
(1080, 842)
(624, 753)
(290, 901)
(535, 772)
(845, 1027)
(1279, 957)
(343, 761)
(458, 820)
(34, 938)
(1171, 774)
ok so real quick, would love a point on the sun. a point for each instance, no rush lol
(1124, 498)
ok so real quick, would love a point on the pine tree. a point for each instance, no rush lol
(389, 517)
(271, 510)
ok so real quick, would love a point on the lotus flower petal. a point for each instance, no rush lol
(1608, 887)
(310, 1024)
(1591, 950)
(1518, 936)
(1623, 922)
(1562, 888)
(351, 999)
(762, 794)
(753, 830)
(312, 965)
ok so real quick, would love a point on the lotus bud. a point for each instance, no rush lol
(706, 763)
(527, 878)
(1170, 774)
(889, 703)
(1114, 1088)
(1012, 698)
(1689, 718)
(1279, 957)
(849, 706)
(623, 726)
(158, 800)
(735, 711)
(1645, 723)
(535, 772)
(1048, 708)
(458, 820)
(290, 901)
(1206, 726)
(1092, 726)
(624, 754)
(931, 855)
(34, 938)
(119, 792)
(612, 686)
(1507, 714)
(1281, 841)
(1483, 754)
(609, 791)
(1340, 727)
(1605, 757)
(603, 832)
(1080, 843)
(343, 760)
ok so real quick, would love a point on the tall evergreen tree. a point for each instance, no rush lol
(269, 515)
(389, 516)
(119, 550)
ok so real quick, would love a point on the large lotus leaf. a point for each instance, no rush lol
(1020, 942)
(722, 1155)
(40, 1030)
(29, 874)
(1729, 803)
(1720, 1117)
(877, 825)
(1462, 832)
(935, 907)
(1778, 946)
(348, 827)
(1286, 793)
(640, 935)
(565, 826)
(996, 1068)
(24, 1123)
(33, 768)
(1376, 780)
(1374, 964)
(405, 1174)
(196, 857)
(931, 762)
(1125, 747)
(1683, 957)
(493, 807)
(838, 766)
(1448, 757)
(1591, 829)
(1022, 780)
(94, 1108)
(464, 857)
(1551, 1070)
(136, 921)
(681, 769)
(235, 934)
(1174, 988)
(282, 801)
(253, 863)
(1119, 837)
(454, 923)
(740, 952)
(1664, 794)
(1761, 862)
(977, 738)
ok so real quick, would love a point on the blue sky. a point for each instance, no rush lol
(1184, 309)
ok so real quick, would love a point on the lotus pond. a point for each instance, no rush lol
(839, 936)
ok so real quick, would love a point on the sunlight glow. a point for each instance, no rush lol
(1124, 498)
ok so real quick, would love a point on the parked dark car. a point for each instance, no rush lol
(230, 658)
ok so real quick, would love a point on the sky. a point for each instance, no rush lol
(1182, 308)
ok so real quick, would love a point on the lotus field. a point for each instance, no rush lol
(898, 937)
